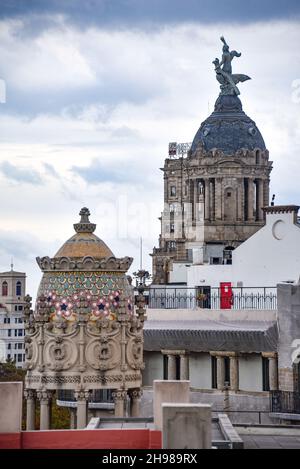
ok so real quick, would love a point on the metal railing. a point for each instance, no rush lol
(286, 402)
(215, 298)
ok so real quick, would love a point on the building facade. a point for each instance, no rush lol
(12, 293)
(213, 196)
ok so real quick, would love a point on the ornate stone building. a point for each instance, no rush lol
(85, 333)
(213, 197)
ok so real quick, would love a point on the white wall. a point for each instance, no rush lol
(153, 369)
(200, 370)
(178, 273)
(269, 257)
(250, 373)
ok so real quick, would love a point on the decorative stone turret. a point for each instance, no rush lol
(84, 333)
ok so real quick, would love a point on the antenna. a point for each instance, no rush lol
(273, 199)
(141, 253)
(11, 264)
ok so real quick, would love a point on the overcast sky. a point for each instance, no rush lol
(95, 90)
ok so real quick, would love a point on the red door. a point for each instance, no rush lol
(226, 295)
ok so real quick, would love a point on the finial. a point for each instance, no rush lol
(223, 69)
(84, 226)
(12, 265)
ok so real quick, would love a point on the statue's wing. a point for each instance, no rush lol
(237, 78)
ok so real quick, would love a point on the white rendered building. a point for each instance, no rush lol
(268, 257)
(12, 292)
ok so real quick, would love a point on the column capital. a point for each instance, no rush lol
(119, 395)
(44, 395)
(174, 352)
(224, 354)
(269, 354)
(30, 394)
(135, 393)
(82, 395)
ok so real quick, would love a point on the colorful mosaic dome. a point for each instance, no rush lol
(84, 276)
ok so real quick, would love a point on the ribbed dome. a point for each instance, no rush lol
(228, 129)
(84, 242)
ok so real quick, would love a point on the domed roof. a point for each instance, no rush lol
(228, 129)
(84, 242)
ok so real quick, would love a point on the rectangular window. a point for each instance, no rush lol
(20, 357)
(9, 346)
(8, 356)
(20, 332)
(20, 346)
(214, 372)
(9, 332)
(172, 228)
(16, 308)
(173, 191)
(20, 308)
(265, 373)
(16, 320)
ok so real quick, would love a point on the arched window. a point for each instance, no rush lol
(18, 288)
(4, 288)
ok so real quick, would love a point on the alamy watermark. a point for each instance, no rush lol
(296, 353)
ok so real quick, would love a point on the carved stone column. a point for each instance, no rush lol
(207, 200)
(260, 199)
(119, 397)
(273, 369)
(30, 397)
(171, 367)
(195, 199)
(212, 200)
(266, 184)
(250, 199)
(218, 198)
(234, 372)
(273, 374)
(220, 372)
(135, 401)
(240, 200)
(45, 398)
(72, 418)
(184, 367)
(82, 398)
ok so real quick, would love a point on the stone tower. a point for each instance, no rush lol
(213, 197)
(85, 333)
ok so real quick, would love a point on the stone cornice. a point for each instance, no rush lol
(88, 263)
(281, 209)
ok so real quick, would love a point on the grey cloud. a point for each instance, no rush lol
(139, 13)
(97, 173)
(22, 175)
(50, 171)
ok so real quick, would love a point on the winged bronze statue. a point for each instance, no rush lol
(223, 69)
